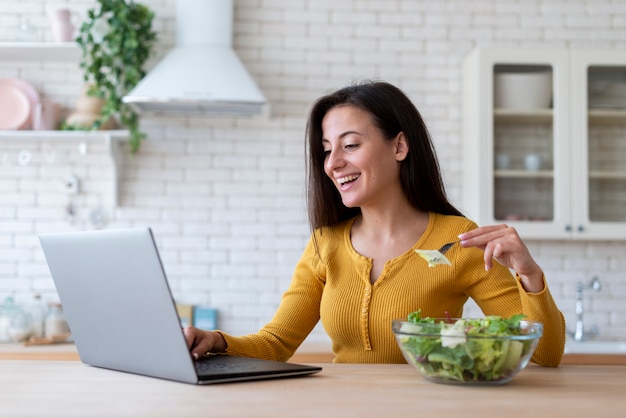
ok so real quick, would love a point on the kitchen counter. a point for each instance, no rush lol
(70, 388)
(309, 352)
(64, 351)
(594, 358)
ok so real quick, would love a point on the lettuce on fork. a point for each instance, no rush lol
(433, 257)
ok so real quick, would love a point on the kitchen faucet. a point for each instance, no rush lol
(579, 333)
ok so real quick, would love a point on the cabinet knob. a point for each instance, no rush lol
(581, 228)
(568, 228)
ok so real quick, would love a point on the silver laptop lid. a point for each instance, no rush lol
(117, 302)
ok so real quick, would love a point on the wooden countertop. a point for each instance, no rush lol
(65, 351)
(584, 358)
(307, 353)
(70, 388)
(311, 352)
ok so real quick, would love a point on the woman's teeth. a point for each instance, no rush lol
(346, 179)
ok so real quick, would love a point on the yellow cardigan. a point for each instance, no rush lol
(332, 283)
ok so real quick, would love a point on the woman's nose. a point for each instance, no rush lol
(333, 160)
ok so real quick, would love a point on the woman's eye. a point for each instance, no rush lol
(350, 146)
(326, 152)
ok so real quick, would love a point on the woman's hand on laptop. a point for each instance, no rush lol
(201, 342)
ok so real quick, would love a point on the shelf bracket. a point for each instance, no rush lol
(113, 147)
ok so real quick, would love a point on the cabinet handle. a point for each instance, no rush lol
(581, 228)
(568, 228)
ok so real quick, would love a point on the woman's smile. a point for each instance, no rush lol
(346, 181)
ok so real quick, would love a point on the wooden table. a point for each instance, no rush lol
(16, 351)
(315, 352)
(70, 388)
(309, 353)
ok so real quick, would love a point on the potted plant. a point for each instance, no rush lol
(116, 40)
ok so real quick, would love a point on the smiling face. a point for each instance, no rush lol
(363, 165)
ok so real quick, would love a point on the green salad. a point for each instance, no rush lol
(466, 350)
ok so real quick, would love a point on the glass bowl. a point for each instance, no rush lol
(466, 351)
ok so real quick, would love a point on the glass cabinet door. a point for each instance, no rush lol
(523, 143)
(517, 157)
(601, 147)
(606, 143)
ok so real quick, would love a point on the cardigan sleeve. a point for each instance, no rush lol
(297, 315)
(542, 308)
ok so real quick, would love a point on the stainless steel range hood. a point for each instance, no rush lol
(202, 75)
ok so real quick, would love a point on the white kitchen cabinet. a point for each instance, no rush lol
(578, 191)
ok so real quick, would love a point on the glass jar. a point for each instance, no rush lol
(5, 323)
(15, 322)
(21, 325)
(38, 312)
(56, 325)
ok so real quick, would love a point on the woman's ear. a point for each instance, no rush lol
(402, 147)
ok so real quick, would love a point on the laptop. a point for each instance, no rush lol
(122, 315)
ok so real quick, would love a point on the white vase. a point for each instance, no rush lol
(61, 25)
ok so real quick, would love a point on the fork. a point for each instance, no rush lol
(446, 247)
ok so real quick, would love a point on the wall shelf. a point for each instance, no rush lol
(39, 51)
(112, 140)
(61, 52)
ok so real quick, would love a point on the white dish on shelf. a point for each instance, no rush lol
(15, 108)
(523, 90)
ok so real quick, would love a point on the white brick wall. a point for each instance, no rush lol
(225, 196)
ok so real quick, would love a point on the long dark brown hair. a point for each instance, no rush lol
(392, 112)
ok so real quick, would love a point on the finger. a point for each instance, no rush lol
(481, 230)
(480, 238)
(203, 346)
(190, 336)
(195, 342)
(488, 256)
(197, 353)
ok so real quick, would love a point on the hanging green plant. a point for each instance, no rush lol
(116, 40)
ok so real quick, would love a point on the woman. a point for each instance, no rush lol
(375, 195)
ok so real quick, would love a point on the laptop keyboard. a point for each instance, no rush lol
(214, 368)
(214, 364)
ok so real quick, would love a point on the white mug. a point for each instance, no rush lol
(502, 161)
(532, 162)
(46, 116)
